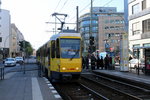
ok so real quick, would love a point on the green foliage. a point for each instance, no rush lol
(26, 47)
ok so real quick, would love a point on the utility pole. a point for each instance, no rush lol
(124, 45)
(77, 19)
(91, 12)
(91, 38)
(24, 57)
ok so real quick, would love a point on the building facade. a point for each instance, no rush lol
(110, 29)
(106, 25)
(139, 25)
(15, 48)
(9, 36)
(5, 33)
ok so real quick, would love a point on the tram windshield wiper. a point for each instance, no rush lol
(74, 54)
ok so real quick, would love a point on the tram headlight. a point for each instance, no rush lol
(63, 68)
(77, 68)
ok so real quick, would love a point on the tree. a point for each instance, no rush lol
(26, 47)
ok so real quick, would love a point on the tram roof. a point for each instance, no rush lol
(61, 34)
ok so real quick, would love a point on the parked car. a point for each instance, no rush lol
(19, 60)
(10, 62)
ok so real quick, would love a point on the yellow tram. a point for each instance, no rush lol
(60, 57)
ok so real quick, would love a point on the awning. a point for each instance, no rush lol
(146, 47)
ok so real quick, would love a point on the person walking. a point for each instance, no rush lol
(106, 60)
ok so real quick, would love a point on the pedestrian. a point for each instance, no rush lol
(98, 62)
(93, 62)
(110, 63)
(101, 63)
(83, 62)
(113, 63)
(106, 60)
(87, 61)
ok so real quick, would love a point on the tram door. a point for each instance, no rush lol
(147, 61)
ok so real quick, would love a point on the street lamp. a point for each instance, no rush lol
(24, 56)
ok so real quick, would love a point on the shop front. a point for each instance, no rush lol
(147, 61)
(146, 54)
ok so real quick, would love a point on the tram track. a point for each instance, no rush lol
(125, 80)
(95, 87)
(77, 91)
(126, 90)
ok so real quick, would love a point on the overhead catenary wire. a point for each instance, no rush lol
(57, 5)
(107, 3)
(88, 6)
(63, 5)
(82, 9)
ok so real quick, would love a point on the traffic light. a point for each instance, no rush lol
(21, 45)
(91, 40)
(92, 49)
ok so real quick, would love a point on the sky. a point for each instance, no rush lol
(30, 16)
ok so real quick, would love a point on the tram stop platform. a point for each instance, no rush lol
(28, 86)
(131, 75)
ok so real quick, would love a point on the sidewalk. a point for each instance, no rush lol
(28, 86)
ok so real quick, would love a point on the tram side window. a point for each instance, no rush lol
(53, 49)
(48, 53)
(57, 49)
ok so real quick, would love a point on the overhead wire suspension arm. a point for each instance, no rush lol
(62, 22)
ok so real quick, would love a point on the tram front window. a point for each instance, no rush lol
(70, 48)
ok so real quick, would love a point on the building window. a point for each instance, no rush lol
(146, 45)
(135, 28)
(143, 4)
(106, 27)
(135, 8)
(106, 21)
(146, 26)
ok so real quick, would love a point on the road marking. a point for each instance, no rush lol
(51, 87)
(36, 92)
(54, 91)
(57, 96)
(49, 84)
